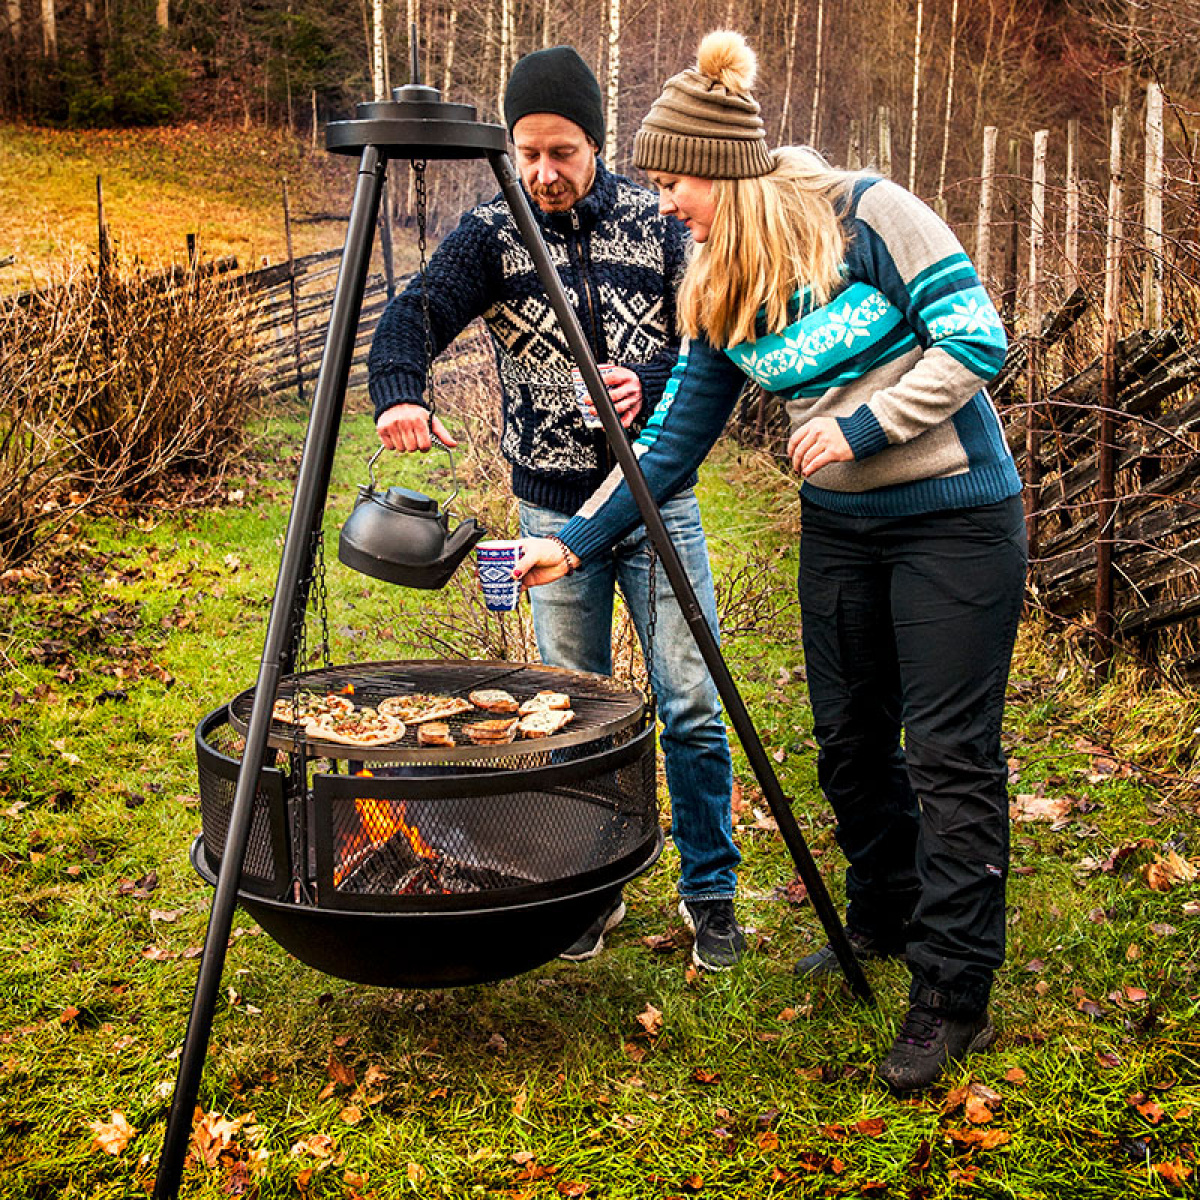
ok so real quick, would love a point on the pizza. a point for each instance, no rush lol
(434, 733)
(307, 707)
(417, 707)
(493, 700)
(492, 733)
(545, 700)
(542, 722)
(361, 727)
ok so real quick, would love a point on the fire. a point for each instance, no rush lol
(379, 822)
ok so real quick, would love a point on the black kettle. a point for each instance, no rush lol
(400, 536)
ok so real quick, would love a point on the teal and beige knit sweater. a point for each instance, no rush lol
(899, 357)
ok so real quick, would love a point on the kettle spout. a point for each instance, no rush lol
(460, 543)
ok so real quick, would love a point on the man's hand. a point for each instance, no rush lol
(543, 561)
(625, 391)
(406, 427)
(816, 444)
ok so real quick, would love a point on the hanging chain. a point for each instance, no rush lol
(322, 595)
(652, 622)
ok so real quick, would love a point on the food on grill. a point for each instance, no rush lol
(493, 700)
(542, 722)
(308, 707)
(422, 706)
(434, 733)
(492, 733)
(362, 727)
(544, 700)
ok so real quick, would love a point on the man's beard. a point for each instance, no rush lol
(557, 198)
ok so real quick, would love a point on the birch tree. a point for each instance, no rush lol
(614, 74)
(814, 124)
(162, 14)
(789, 69)
(49, 31)
(377, 49)
(916, 98)
(941, 192)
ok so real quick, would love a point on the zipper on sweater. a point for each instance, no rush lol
(605, 450)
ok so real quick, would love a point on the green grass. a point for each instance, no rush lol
(159, 185)
(754, 1083)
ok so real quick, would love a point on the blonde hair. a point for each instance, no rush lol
(770, 236)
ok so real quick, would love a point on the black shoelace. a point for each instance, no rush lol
(920, 1027)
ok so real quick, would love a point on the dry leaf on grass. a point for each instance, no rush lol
(1167, 870)
(113, 1135)
(651, 1020)
(1029, 807)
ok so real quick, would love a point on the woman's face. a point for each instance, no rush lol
(688, 199)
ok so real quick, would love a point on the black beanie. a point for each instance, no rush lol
(556, 81)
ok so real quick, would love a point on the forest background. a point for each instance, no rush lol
(939, 70)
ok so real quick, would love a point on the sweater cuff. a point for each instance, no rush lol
(387, 391)
(574, 535)
(863, 432)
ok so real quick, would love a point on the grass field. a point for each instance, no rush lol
(630, 1077)
(160, 185)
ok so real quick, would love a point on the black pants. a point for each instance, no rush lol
(909, 624)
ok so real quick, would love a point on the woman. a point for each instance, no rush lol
(848, 297)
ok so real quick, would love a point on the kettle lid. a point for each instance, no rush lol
(406, 500)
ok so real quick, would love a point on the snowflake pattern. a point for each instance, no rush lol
(968, 316)
(818, 342)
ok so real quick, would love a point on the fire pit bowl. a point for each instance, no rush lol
(437, 866)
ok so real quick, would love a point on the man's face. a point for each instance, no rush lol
(556, 159)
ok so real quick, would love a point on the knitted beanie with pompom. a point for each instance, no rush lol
(706, 122)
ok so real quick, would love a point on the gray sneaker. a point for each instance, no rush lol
(825, 962)
(719, 942)
(591, 941)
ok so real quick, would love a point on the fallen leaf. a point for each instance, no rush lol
(1175, 1174)
(112, 1136)
(651, 1020)
(786, 1015)
(922, 1157)
(870, 1126)
(415, 1172)
(977, 1112)
(1028, 806)
(351, 1114)
(1151, 1111)
(1016, 1075)
(1135, 994)
(692, 1183)
(634, 1052)
(768, 1140)
(660, 943)
(67, 1015)
(1167, 870)
(700, 1075)
(796, 892)
(573, 1188)
(338, 1071)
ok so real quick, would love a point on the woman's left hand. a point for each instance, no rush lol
(543, 561)
(816, 444)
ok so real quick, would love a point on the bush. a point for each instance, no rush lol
(113, 385)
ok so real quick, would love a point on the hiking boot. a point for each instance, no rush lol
(719, 941)
(589, 943)
(824, 961)
(929, 1039)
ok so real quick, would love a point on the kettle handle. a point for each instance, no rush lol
(437, 441)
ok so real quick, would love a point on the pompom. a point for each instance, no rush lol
(725, 57)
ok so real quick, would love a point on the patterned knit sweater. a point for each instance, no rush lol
(619, 262)
(899, 357)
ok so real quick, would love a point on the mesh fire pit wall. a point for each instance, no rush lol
(406, 865)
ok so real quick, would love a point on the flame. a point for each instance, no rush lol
(378, 823)
(348, 690)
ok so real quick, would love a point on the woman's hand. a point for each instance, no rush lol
(816, 444)
(543, 560)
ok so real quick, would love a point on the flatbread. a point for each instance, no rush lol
(543, 722)
(308, 707)
(434, 733)
(494, 700)
(544, 700)
(362, 727)
(487, 733)
(422, 706)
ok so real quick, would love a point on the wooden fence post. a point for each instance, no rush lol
(1071, 236)
(1033, 389)
(1106, 507)
(983, 228)
(287, 227)
(1152, 290)
(1008, 288)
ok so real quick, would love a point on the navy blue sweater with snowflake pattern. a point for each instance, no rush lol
(899, 357)
(619, 262)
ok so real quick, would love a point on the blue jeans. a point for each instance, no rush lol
(572, 621)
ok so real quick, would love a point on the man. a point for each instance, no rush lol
(618, 260)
